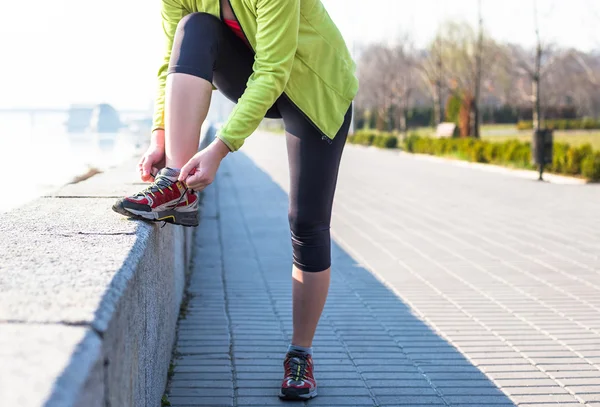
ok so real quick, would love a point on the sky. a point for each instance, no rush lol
(60, 52)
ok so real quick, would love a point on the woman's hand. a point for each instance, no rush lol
(205, 163)
(154, 158)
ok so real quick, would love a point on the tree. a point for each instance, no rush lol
(475, 119)
(468, 57)
(387, 77)
(432, 74)
(375, 75)
(536, 68)
(403, 78)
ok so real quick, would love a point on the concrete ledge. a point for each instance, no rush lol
(89, 300)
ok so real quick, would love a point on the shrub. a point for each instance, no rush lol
(522, 156)
(410, 141)
(574, 157)
(590, 166)
(559, 157)
(372, 138)
(566, 159)
(508, 151)
(382, 140)
(390, 141)
(525, 125)
(477, 153)
(563, 124)
(363, 137)
(589, 124)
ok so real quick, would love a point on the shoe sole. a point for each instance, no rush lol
(187, 219)
(298, 397)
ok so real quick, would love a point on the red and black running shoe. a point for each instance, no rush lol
(299, 382)
(166, 199)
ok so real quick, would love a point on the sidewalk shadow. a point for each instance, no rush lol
(370, 348)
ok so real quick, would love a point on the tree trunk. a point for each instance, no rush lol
(404, 117)
(464, 118)
(439, 82)
(380, 124)
(536, 103)
(474, 120)
(478, 69)
(437, 104)
(537, 110)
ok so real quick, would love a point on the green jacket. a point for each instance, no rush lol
(298, 50)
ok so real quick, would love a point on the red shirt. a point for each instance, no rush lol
(235, 27)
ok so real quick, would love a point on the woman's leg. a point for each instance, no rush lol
(186, 106)
(188, 88)
(187, 97)
(309, 293)
(205, 52)
(314, 165)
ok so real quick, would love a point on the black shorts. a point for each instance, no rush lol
(207, 48)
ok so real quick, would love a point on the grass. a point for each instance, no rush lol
(503, 132)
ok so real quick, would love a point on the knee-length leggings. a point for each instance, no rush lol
(205, 47)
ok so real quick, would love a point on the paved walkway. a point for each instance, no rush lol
(451, 286)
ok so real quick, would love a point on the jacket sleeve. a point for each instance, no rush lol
(172, 11)
(276, 42)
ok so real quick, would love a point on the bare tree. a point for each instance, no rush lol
(375, 76)
(468, 57)
(387, 76)
(403, 83)
(464, 61)
(475, 119)
(432, 74)
(536, 68)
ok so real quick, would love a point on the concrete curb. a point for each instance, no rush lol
(497, 169)
(89, 300)
(526, 174)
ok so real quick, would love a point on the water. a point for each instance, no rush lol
(39, 156)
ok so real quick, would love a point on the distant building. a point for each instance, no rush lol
(100, 118)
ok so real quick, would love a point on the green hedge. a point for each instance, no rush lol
(563, 124)
(568, 160)
(374, 138)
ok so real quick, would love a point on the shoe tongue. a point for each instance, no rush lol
(296, 355)
(168, 173)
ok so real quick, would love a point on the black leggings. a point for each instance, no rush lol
(205, 47)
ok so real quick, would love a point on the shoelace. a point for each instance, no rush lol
(158, 185)
(297, 366)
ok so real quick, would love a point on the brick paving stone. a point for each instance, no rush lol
(214, 401)
(201, 392)
(410, 400)
(530, 390)
(544, 398)
(450, 286)
(176, 382)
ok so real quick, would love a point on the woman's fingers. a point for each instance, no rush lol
(187, 169)
(141, 165)
(199, 180)
(195, 181)
(146, 167)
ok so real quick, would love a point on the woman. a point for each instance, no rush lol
(277, 59)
